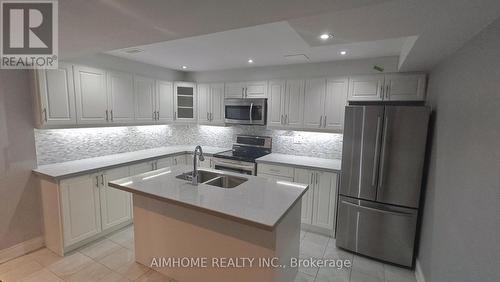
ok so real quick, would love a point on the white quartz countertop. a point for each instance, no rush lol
(69, 169)
(301, 162)
(259, 201)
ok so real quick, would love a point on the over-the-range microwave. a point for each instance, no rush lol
(251, 111)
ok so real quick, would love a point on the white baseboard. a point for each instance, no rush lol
(21, 249)
(419, 275)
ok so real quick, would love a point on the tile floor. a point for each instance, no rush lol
(112, 259)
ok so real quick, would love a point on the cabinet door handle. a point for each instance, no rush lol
(102, 179)
(381, 91)
(286, 118)
(312, 178)
(211, 116)
(281, 120)
(320, 121)
(107, 116)
(243, 92)
(175, 115)
(158, 115)
(97, 181)
(208, 118)
(111, 115)
(387, 91)
(324, 123)
(45, 114)
(152, 166)
(317, 176)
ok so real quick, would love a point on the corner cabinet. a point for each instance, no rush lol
(319, 201)
(185, 101)
(211, 103)
(389, 87)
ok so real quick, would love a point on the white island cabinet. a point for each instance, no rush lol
(255, 216)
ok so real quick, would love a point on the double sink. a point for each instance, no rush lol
(214, 178)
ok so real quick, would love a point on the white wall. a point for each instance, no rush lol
(20, 210)
(115, 63)
(335, 68)
(461, 217)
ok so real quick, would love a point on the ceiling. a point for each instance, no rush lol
(268, 44)
(222, 34)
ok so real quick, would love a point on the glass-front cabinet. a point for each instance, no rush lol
(185, 101)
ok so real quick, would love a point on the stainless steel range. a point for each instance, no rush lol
(241, 158)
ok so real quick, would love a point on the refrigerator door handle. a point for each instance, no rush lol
(377, 149)
(384, 145)
(379, 210)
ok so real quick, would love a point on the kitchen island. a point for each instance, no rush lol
(206, 232)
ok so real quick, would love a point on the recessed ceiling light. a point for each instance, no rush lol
(343, 53)
(250, 61)
(184, 67)
(325, 36)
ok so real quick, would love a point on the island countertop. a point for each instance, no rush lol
(259, 201)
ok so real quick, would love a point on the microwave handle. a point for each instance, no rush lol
(251, 107)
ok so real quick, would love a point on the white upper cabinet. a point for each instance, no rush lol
(120, 97)
(203, 103)
(234, 89)
(184, 101)
(256, 89)
(276, 103)
(390, 87)
(248, 89)
(405, 87)
(314, 105)
(211, 103)
(56, 95)
(335, 102)
(285, 103)
(294, 103)
(324, 103)
(366, 87)
(164, 101)
(91, 96)
(144, 89)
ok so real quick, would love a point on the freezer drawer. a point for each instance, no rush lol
(380, 231)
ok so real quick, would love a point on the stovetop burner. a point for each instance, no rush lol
(248, 148)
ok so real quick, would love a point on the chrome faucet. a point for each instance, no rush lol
(195, 163)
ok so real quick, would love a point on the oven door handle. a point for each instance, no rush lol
(228, 164)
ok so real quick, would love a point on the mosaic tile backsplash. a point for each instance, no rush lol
(61, 145)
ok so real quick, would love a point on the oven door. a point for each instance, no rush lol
(245, 111)
(234, 166)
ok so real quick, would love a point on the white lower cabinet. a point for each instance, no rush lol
(115, 204)
(324, 199)
(90, 206)
(80, 208)
(318, 203)
(305, 176)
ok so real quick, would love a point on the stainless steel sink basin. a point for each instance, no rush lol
(226, 181)
(214, 179)
(203, 176)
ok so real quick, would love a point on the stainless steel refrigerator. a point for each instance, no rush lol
(382, 163)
